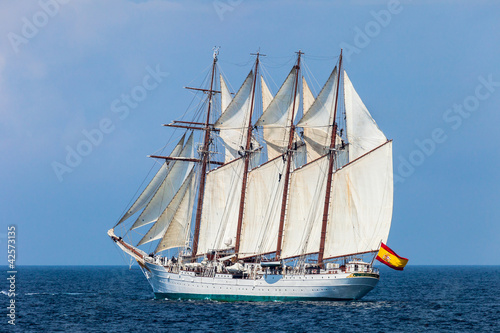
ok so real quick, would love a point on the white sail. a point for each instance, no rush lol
(277, 118)
(361, 204)
(221, 204)
(233, 123)
(307, 96)
(168, 188)
(363, 133)
(225, 95)
(262, 210)
(318, 119)
(153, 185)
(267, 96)
(178, 227)
(306, 202)
(160, 227)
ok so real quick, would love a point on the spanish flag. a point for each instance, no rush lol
(390, 258)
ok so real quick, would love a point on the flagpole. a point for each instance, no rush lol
(376, 254)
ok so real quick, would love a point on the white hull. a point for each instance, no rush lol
(186, 285)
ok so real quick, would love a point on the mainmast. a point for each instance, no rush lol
(204, 160)
(330, 169)
(288, 161)
(247, 161)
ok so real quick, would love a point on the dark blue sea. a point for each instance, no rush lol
(116, 299)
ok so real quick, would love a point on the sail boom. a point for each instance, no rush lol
(365, 154)
(204, 90)
(169, 158)
(351, 254)
(300, 255)
(205, 128)
(257, 255)
(189, 122)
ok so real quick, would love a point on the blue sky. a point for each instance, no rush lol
(427, 70)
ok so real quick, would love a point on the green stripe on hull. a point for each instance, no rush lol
(244, 298)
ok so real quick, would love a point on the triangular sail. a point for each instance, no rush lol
(225, 94)
(160, 227)
(307, 96)
(363, 133)
(168, 188)
(267, 96)
(276, 119)
(153, 185)
(178, 227)
(318, 119)
(221, 204)
(361, 206)
(233, 123)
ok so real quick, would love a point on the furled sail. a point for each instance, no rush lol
(363, 133)
(160, 227)
(305, 209)
(262, 209)
(361, 206)
(169, 187)
(225, 95)
(277, 117)
(153, 185)
(177, 230)
(318, 119)
(221, 204)
(233, 123)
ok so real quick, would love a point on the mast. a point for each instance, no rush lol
(288, 161)
(247, 162)
(204, 159)
(330, 169)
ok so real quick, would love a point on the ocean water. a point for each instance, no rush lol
(116, 299)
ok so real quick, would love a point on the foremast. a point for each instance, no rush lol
(204, 159)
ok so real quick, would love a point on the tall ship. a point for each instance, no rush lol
(265, 197)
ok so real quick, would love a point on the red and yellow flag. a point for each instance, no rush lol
(390, 258)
